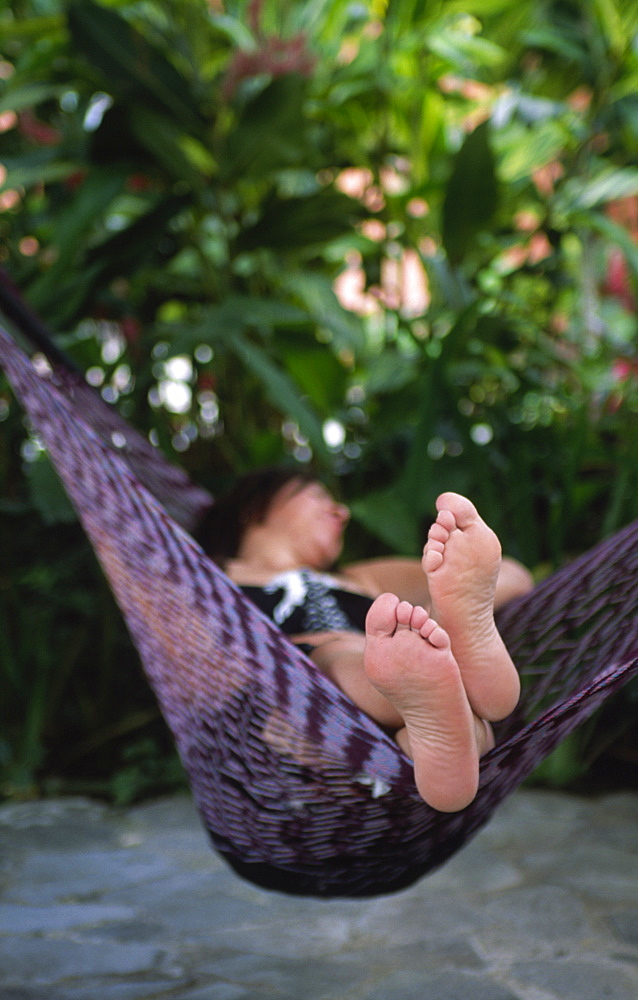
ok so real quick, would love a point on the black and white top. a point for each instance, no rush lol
(305, 601)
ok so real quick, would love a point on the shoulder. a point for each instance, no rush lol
(247, 576)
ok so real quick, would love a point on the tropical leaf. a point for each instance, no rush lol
(162, 137)
(270, 131)
(471, 196)
(615, 234)
(283, 393)
(611, 23)
(47, 493)
(390, 372)
(234, 30)
(135, 69)
(81, 215)
(483, 8)
(607, 186)
(345, 331)
(30, 28)
(390, 517)
(524, 150)
(317, 372)
(560, 43)
(299, 223)
(36, 168)
(132, 246)
(221, 324)
(28, 95)
(466, 51)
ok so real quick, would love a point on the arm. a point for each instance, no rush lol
(393, 574)
(405, 578)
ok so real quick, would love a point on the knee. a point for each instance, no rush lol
(484, 736)
(514, 580)
(338, 646)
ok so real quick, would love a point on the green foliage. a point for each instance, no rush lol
(188, 180)
(471, 195)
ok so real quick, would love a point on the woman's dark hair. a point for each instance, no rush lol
(222, 529)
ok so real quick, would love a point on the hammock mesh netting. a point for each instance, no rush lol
(299, 790)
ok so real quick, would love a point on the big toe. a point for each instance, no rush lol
(381, 619)
(464, 511)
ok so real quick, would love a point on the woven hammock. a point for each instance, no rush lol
(299, 790)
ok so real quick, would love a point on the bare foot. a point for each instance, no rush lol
(461, 560)
(409, 661)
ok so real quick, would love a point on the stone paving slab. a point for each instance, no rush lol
(133, 905)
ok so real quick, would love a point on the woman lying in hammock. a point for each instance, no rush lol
(412, 643)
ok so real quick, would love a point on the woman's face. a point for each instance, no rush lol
(308, 515)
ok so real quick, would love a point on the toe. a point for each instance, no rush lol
(427, 628)
(382, 618)
(462, 510)
(432, 559)
(438, 532)
(418, 618)
(438, 637)
(446, 520)
(404, 613)
(434, 545)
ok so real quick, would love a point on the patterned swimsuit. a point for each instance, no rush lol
(304, 601)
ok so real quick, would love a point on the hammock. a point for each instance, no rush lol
(299, 790)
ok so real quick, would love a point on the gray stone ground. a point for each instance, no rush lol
(99, 904)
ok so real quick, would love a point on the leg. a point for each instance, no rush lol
(341, 658)
(403, 674)
(462, 561)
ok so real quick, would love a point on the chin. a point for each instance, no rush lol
(330, 563)
(329, 558)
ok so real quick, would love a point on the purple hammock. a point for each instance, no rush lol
(299, 790)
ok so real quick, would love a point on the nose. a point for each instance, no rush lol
(342, 512)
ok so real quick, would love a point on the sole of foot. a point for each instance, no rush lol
(461, 560)
(409, 660)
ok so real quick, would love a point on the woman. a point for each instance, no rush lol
(412, 643)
